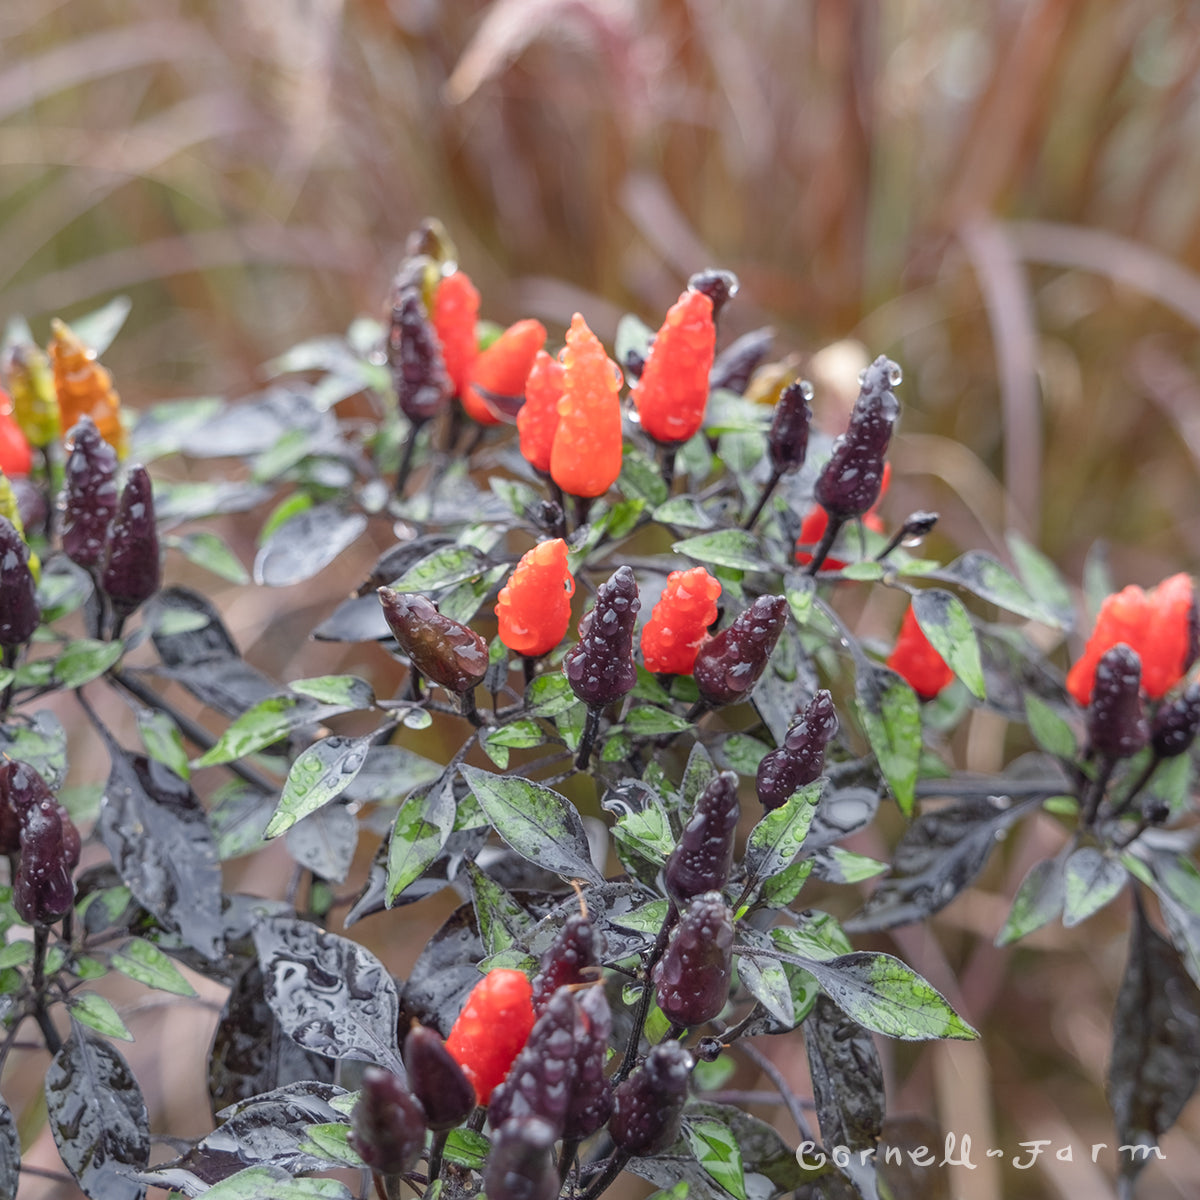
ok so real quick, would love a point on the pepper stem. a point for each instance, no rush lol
(768, 491)
(668, 465)
(821, 553)
(406, 459)
(590, 729)
(467, 701)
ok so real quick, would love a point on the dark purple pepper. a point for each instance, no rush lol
(1176, 723)
(1116, 723)
(10, 815)
(19, 609)
(577, 946)
(31, 503)
(43, 889)
(850, 481)
(648, 1106)
(542, 1077)
(704, 857)
(729, 664)
(788, 438)
(734, 366)
(693, 976)
(719, 286)
(436, 1079)
(89, 498)
(590, 1103)
(423, 386)
(443, 650)
(801, 758)
(133, 571)
(520, 1165)
(387, 1127)
(600, 667)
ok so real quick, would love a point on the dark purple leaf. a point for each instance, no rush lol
(97, 1116)
(156, 830)
(325, 842)
(1156, 1043)
(266, 1129)
(230, 685)
(302, 546)
(330, 994)
(250, 1052)
(445, 972)
(254, 426)
(358, 619)
(209, 640)
(10, 1153)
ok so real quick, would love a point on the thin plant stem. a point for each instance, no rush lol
(767, 493)
(669, 454)
(821, 553)
(612, 1169)
(8, 660)
(590, 730)
(406, 459)
(1139, 783)
(37, 983)
(643, 1008)
(790, 1099)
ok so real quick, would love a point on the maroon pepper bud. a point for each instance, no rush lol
(648, 1106)
(577, 946)
(591, 1101)
(693, 976)
(1116, 723)
(718, 286)
(542, 1077)
(133, 571)
(43, 889)
(801, 758)
(787, 440)
(19, 609)
(521, 1165)
(729, 664)
(1176, 723)
(600, 667)
(704, 857)
(423, 386)
(436, 1079)
(443, 650)
(388, 1124)
(89, 498)
(734, 366)
(850, 481)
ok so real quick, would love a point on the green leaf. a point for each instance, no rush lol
(1092, 880)
(818, 935)
(93, 1010)
(717, 1151)
(463, 601)
(766, 980)
(347, 691)
(885, 996)
(289, 507)
(641, 478)
(265, 723)
(891, 716)
(647, 833)
(519, 735)
(450, 564)
(742, 753)
(776, 840)
(537, 823)
(685, 512)
(146, 963)
(1042, 578)
(97, 329)
(330, 1140)
(549, 695)
(85, 659)
(649, 722)
(780, 889)
(944, 620)
(259, 1183)
(646, 918)
(163, 740)
(466, 1148)
(423, 824)
(633, 336)
(1050, 729)
(1038, 901)
(502, 921)
(320, 774)
(62, 589)
(725, 548)
(16, 954)
(839, 865)
(211, 552)
(287, 450)
(989, 580)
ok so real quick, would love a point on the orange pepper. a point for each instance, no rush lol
(534, 606)
(455, 311)
(672, 392)
(84, 387)
(491, 1029)
(678, 626)
(538, 419)
(917, 662)
(502, 370)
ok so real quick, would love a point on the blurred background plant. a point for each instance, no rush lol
(1002, 197)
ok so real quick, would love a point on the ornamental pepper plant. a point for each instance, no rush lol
(675, 784)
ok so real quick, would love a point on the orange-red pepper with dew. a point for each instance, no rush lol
(672, 391)
(678, 626)
(491, 1029)
(534, 606)
(1159, 626)
(916, 661)
(16, 457)
(84, 387)
(537, 421)
(501, 371)
(585, 459)
(455, 313)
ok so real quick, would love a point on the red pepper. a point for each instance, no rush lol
(1159, 626)
(678, 626)
(672, 393)
(534, 607)
(538, 419)
(498, 381)
(492, 1028)
(917, 662)
(455, 311)
(586, 457)
(16, 458)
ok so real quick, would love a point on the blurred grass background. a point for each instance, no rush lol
(1004, 197)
